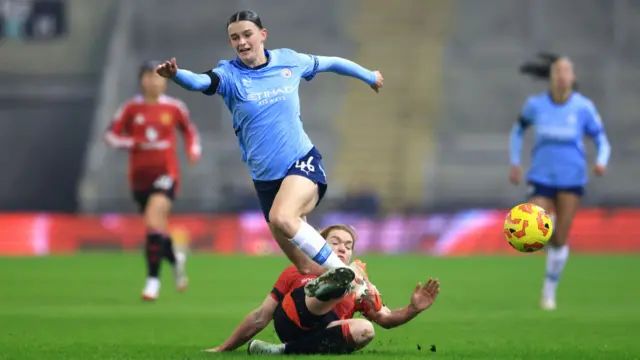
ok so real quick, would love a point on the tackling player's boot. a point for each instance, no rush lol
(331, 285)
(361, 284)
(179, 271)
(259, 347)
(151, 289)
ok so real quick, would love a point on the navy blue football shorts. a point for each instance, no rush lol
(551, 192)
(309, 166)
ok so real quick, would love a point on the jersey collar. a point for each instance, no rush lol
(237, 62)
(559, 103)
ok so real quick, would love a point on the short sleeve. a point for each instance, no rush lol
(592, 122)
(220, 81)
(182, 111)
(281, 287)
(120, 121)
(308, 65)
(527, 113)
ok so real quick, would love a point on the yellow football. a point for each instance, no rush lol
(528, 227)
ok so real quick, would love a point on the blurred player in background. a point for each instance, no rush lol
(260, 88)
(145, 126)
(323, 323)
(561, 117)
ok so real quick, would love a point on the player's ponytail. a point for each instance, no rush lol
(540, 69)
(246, 15)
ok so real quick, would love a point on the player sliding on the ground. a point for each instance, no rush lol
(260, 88)
(145, 125)
(323, 323)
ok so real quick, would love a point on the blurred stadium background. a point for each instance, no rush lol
(420, 168)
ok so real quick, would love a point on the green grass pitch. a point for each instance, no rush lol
(88, 307)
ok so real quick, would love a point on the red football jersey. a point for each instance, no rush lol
(148, 130)
(291, 279)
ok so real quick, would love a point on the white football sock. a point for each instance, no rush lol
(556, 260)
(152, 286)
(315, 246)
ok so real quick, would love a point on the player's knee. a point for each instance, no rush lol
(153, 221)
(284, 220)
(362, 332)
(155, 216)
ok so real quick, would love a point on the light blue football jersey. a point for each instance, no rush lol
(558, 156)
(265, 106)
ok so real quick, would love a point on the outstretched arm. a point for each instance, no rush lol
(252, 324)
(389, 319)
(345, 67)
(421, 299)
(186, 79)
(191, 81)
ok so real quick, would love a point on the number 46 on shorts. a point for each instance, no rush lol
(307, 166)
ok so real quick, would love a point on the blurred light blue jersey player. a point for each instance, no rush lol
(561, 117)
(558, 159)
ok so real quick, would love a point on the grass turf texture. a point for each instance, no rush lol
(88, 307)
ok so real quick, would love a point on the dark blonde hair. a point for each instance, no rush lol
(348, 228)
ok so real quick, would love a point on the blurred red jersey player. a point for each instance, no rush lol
(145, 125)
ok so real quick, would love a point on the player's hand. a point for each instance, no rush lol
(194, 159)
(195, 153)
(167, 69)
(379, 82)
(425, 296)
(599, 170)
(214, 350)
(515, 175)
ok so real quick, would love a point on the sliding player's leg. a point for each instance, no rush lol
(340, 337)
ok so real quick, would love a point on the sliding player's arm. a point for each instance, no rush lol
(421, 299)
(259, 318)
(252, 324)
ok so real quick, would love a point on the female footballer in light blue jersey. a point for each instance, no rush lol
(260, 88)
(561, 117)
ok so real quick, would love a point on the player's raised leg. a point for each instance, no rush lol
(567, 204)
(332, 285)
(298, 196)
(303, 262)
